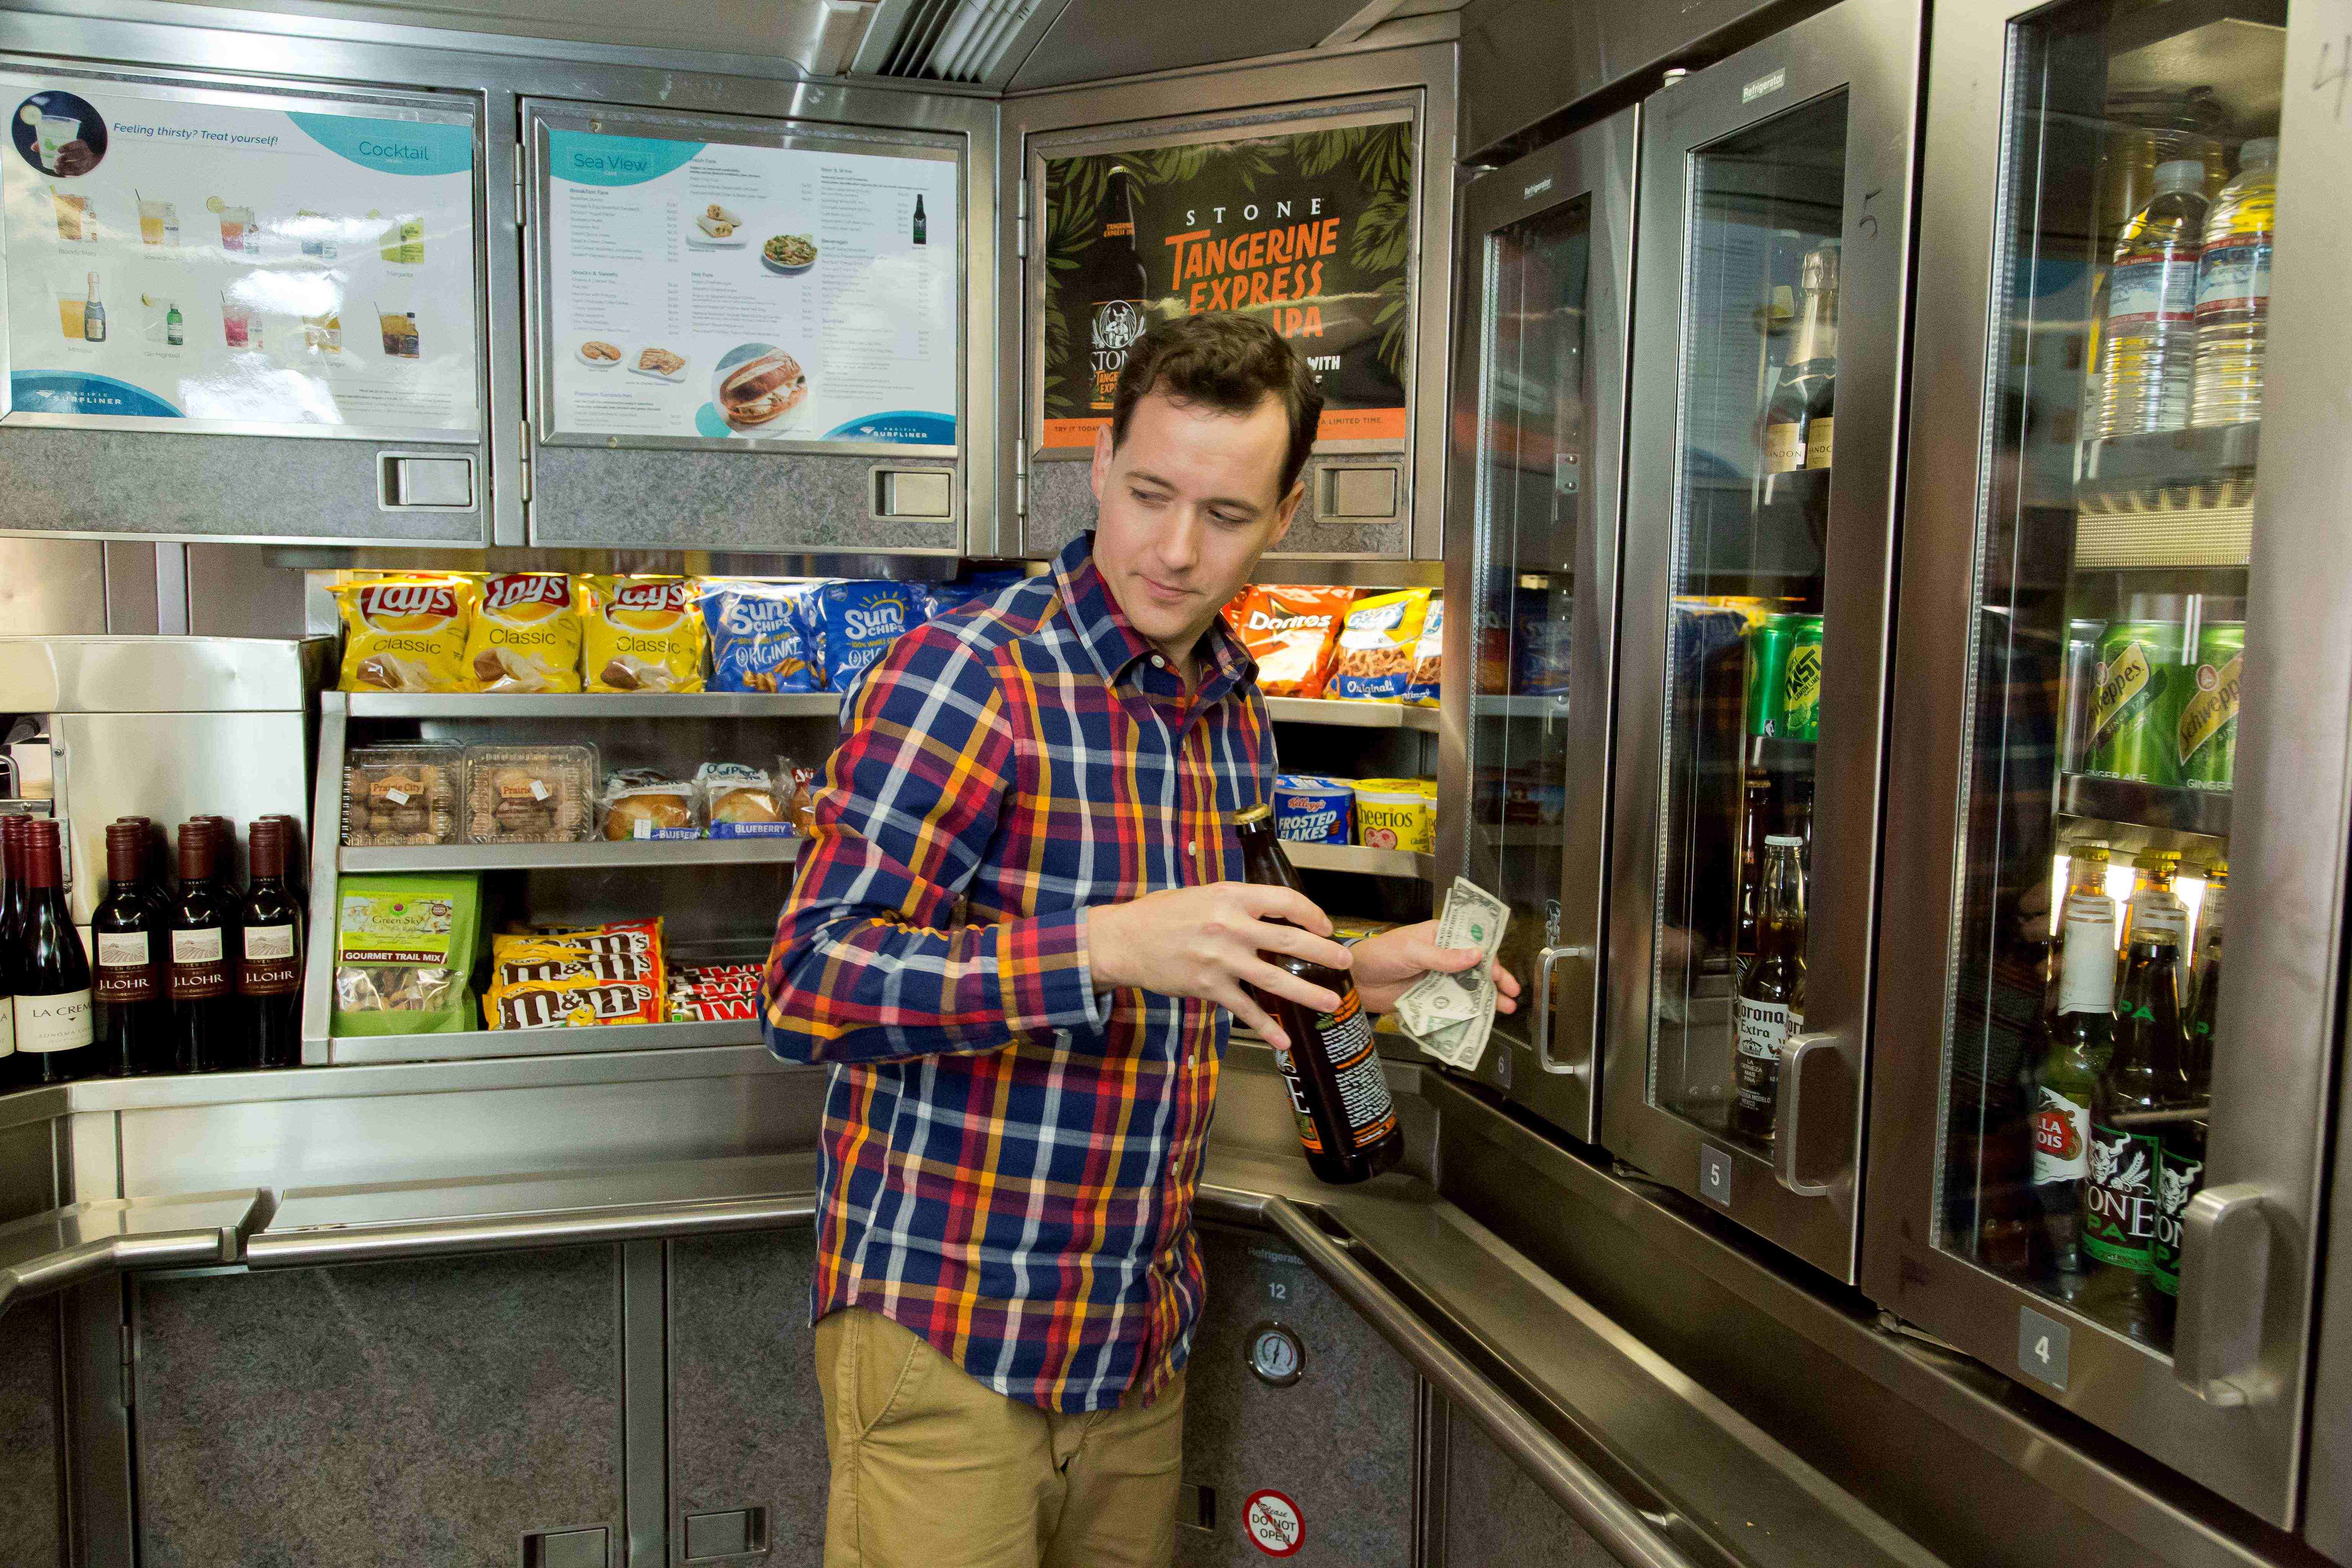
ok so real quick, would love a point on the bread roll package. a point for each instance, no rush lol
(640, 633)
(526, 634)
(743, 802)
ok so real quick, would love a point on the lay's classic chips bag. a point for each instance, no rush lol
(406, 632)
(526, 635)
(640, 633)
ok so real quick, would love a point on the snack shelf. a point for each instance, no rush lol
(1357, 858)
(592, 853)
(1350, 714)
(595, 705)
(2125, 802)
(355, 1050)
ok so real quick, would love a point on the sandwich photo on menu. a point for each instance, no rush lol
(759, 389)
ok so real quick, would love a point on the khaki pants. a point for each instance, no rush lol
(933, 1468)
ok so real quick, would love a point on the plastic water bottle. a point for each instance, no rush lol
(2149, 342)
(2233, 291)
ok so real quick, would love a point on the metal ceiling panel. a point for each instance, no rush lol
(1102, 40)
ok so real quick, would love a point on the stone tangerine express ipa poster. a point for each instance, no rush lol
(1310, 230)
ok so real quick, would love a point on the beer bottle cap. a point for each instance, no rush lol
(1250, 814)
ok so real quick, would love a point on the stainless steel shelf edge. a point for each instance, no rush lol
(1352, 715)
(87, 1241)
(378, 1244)
(1359, 858)
(349, 1049)
(456, 1075)
(587, 853)
(592, 705)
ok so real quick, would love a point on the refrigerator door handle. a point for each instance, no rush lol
(1800, 1052)
(2225, 1254)
(1544, 961)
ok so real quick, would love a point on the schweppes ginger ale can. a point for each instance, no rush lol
(2208, 710)
(2136, 701)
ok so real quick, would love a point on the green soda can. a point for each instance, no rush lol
(1767, 666)
(2137, 703)
(1800, 687)
(2208, 711)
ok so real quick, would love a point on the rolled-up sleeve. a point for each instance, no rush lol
(865, 966)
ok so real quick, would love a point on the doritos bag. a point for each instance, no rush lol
(641, 634)
(526, 635)
(407, 632)
(1292, 633)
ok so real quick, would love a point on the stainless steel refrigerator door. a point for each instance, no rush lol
(1791, 161)
(1538, 437)
(2085, 517)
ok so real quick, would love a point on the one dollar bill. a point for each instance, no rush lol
(1474, 918)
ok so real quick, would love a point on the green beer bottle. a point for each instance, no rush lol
(2141, 1082)
(2078, 1034)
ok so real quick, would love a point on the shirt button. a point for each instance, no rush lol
(1158, 662)
(1188, 847)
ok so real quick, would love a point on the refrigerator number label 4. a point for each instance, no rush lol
(2042, 1348)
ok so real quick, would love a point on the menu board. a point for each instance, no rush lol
(720, 291)
(191, 254)
(1310, 231)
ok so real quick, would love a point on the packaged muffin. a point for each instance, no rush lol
(640, 633)
(642, 803)
(1292, 633)
(406, 632)
(1397, 814)
(741, 802)
(796, 788)
(528, 794)
(402, 794)
(1378, 637)
(526, 634)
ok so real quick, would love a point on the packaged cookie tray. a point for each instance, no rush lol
(402, 794)
(530, 795)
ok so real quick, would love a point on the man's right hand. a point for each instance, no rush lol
(1205, 941)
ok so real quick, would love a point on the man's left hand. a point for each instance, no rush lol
(1387, 964)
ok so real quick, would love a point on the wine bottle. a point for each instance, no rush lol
(11, 1066)
(269, 972)
(52, 972)
(130, 936)
(204, 1036)
(154, 871)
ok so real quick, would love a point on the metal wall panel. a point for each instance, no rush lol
(52, 587)
(339, 1416)
(32, 1436)
(1494, 1513)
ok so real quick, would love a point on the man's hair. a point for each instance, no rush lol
(1225, 362)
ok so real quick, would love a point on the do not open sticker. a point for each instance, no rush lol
(1273, 1523)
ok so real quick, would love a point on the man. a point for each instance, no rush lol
(1018, 936)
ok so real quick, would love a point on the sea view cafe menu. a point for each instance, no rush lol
(177, 256)
(732, 293)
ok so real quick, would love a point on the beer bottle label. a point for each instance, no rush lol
(2062, 1137)
(2157, 914)
(2086, 970)
(271, 966)
(126, 970)
(199, 965)
(2178, 1179)
(1762, 1029)
(1346, 1037)
(7, 1026)
(1305, 1117)
(2211, 709)
(57, 1023)
(2119, 1197)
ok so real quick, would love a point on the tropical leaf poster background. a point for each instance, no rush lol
(1363, 174)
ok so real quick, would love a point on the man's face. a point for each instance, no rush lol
(1188, 503)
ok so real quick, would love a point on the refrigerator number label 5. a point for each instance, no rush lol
(1715, 1175)
(2042, 1347)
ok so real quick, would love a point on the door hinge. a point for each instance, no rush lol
(1021, 476)
(1021, 225)
(130, 1368)
(517, 185)
(522, 459)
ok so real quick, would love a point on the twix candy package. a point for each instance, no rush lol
(406, 632)
(526, 634)
(1292, 633)
(641, 634)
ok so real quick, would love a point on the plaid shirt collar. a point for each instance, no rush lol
(1117, 648)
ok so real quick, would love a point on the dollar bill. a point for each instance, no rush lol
(1472, 917)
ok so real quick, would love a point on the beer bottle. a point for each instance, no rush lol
(2180, 1172)
(1122, 289)
(1771, 1004)
(1756, 813)
(2079, 1033)
(2152, 888)
(2197, 1049)
(1346, 1119)
(2140, 1085)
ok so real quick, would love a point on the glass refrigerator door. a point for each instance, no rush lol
(2076, 831)
(1539, 431)
(1759, 531)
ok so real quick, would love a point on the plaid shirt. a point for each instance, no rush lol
(1009, 1155)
